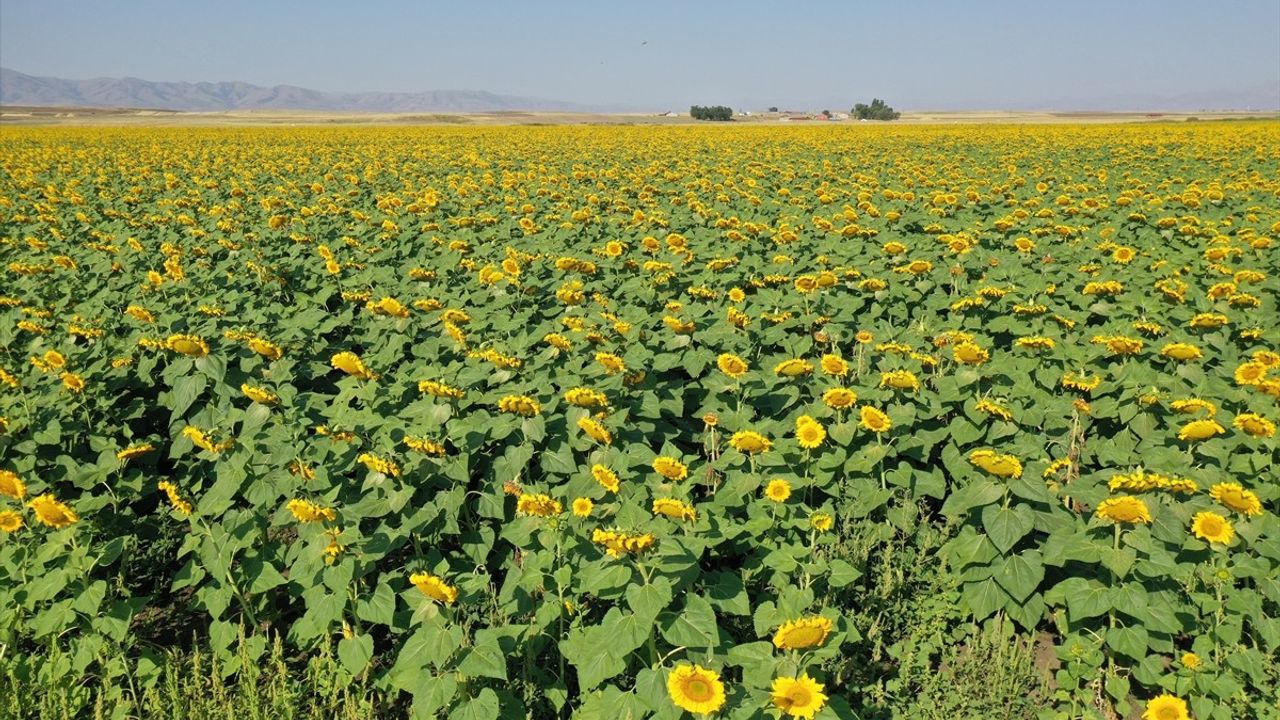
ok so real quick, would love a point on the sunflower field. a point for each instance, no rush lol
(631, 422)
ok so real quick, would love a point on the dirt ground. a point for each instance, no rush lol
(17, 115)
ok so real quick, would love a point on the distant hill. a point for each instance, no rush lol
(1256, 98)
(18, 88)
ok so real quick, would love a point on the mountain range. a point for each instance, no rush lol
(17, 88)
(21, 89)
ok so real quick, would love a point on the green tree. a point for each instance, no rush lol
(711, 112)
(877, 110)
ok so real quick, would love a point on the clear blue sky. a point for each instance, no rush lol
(916, 53)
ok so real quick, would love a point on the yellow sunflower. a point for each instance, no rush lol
(874, 419)
(799, 697)
(1166, 707)
(1212, 527)
(53, 512)
(189, 345)
(1254, 424)
(670, 468)
(793, 368)
(834, 365)
(12, 485)
(522, 405)
(607, 478)
(969, 353)
(803, 633)
(10, 521)
(839, 398)
(351, 364)
(1200, 430)
(732, 365)
(434, 587)
(1006, 466)
(696, 689)
(778, 490)
(900, 380)
(1123, 509)
(595, 431)
(307, 511)
(1234, 496)
(674, 509)
(749, 442)
(809, 432)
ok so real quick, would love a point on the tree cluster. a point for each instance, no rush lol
(711, 112)
(877, 110)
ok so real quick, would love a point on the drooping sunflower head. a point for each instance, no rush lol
(434, 587)
(1123, 509)
(874, 419)
(834, 365)
(189, 345)
(1234, 496)
(793, 368)
(1006, 466)
(1200, 430)
(595, 431)
(12, 485)
(750, 442)
(802, 633)
(839, 398)
(732, 365)
(53, 512)
(670, 468)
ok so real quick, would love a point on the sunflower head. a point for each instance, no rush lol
(805, 632)
(1166, 707)
(695, 689)
(874, 419)
(1212, 527)
(798, 697)
(1234, 496)
(1123, 509)
(778, 490)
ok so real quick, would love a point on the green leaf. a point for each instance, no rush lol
(355, 652)
(1129, 641)
(976, 494)
(984, 597)
(486, 659)
(484, 706)
(649, 600)
(379, 607)
(1083, 598)
(694, 626)
(1020, 575)
(841, 573)
(1007, 525)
